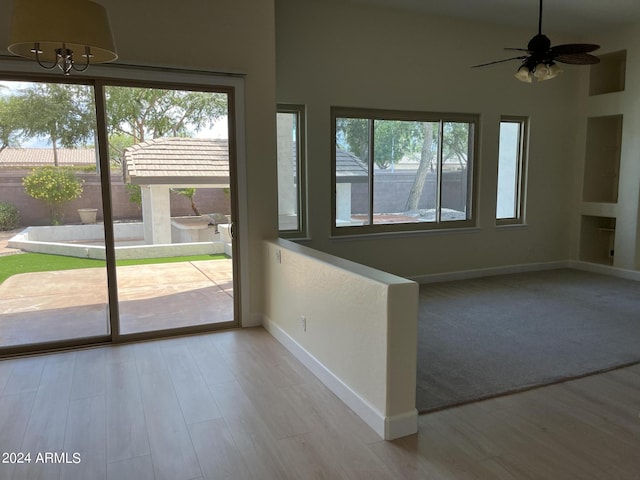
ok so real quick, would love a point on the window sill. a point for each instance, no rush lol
(402, 234)
(511, 226)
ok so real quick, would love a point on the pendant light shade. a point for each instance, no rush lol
(64, 32)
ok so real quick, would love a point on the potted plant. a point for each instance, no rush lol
(88, 215)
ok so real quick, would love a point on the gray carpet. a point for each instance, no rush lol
(485, 337)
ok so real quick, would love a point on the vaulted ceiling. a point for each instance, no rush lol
(571, 17)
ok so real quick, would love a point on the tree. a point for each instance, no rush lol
(456, 142)
(395, 139)
(427, 155)
(9, 130)
(55, 186)
(146, 113)
(189, 193)
(352, 134)
(64, 113)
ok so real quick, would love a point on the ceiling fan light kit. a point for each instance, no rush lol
(540, 59)
(541, 72)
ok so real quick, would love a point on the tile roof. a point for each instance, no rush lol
(34, 157)
(349, 168)
(178, 161)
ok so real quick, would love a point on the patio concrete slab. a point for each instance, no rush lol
(47, 306)
(4, 240)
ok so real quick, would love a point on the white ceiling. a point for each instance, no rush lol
(570, 17)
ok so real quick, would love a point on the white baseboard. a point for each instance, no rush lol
(252, 320)
(606, 270)
(388, 428)
(487, 272)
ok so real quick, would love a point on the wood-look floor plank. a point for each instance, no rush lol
(563, 427)
(137, 468)
(213, 367)
(25, 375)
(218, 454)
(193, 394)
(134, 411)
(47, 424)
(149, 357)
(272, 404)
(249, 432)
(172, 451)
(526, 446)
(120, 353)
(5, 373)
(86, 438)
(323, 410)
(126, 425)
(15, 411)
(314, 454)
(89, 374)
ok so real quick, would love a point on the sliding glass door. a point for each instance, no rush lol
(53, 280)
(171, 197)
(117, 209)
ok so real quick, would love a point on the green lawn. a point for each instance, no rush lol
(40, 262)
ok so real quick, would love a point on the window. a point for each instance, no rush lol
(291, 171)
(511, 171)
(402, 171)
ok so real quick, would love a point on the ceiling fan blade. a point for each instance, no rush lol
(571, 48)
(517, 49)
(499, 61)
(577, 59)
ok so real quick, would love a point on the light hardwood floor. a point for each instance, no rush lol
(237, 405)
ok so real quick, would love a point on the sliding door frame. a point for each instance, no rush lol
(101, 76)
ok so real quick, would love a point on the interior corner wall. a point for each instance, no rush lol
(337, 53)
(626, 210)
(226, 37)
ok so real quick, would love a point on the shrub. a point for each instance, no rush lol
(9, 216)
(135, 194)
(55, 186)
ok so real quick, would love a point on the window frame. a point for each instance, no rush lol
(521, 167)
(103, 75)
(301, 166)
(417, 116)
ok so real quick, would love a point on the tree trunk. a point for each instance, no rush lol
(54, 141)
(193, 207)
(421, 175)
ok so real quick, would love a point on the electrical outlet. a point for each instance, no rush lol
(303, 323)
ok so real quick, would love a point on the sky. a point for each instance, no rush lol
(7, 88)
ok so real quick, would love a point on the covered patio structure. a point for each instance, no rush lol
(162, 164)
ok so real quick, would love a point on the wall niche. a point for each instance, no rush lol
(609, 75)
(602, 159)
(597, 239)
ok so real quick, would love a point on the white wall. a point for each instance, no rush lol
(227, 37)
(361, 330)
(335, 53)
(625, 103)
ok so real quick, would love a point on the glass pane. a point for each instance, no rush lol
(352, 171)
(455, 174)
(53, 281)
(288, 175)
(171, 207)
(508, 170)
(405, 175)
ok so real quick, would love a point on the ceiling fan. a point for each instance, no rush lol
(540, 59)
